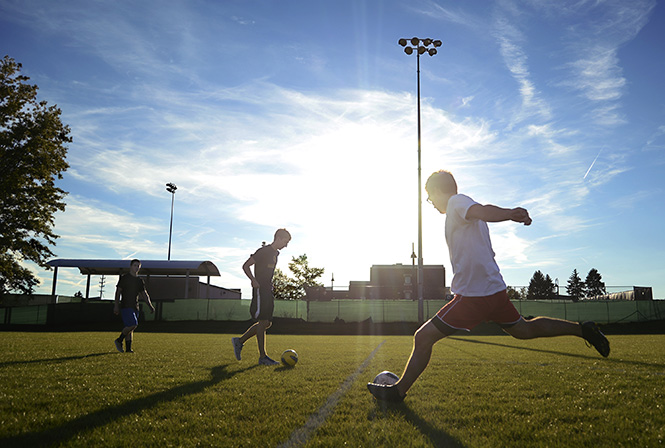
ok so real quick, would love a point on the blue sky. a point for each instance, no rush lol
(302, 114)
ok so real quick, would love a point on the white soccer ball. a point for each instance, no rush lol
(386, 377)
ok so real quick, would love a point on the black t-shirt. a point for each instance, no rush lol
(130, 288)
(264, 267)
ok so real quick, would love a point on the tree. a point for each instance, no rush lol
(540, 287)
(516, 294)
(283, 286)
(287, 288)
(575, 286)
(32, 156)
(594, 285)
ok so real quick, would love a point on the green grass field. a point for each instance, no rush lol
(73, 389)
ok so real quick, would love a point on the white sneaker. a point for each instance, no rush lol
(237, 347)
(265, 361)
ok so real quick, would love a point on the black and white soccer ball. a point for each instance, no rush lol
(386, 377)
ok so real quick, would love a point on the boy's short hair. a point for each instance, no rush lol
(283, 233)
(441, 181)
(135, 260)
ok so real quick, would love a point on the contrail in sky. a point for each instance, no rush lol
(592, 164)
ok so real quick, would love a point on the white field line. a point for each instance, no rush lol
(301, 435)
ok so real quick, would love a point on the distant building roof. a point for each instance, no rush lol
(148, 267)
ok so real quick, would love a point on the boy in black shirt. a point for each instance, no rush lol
(261, 308)
(130, 287)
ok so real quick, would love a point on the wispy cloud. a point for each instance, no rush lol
(90, 223)
(636, 200)
(516, 60)
(596, 71)
(599, 75)
(447, 14)
(656, 141)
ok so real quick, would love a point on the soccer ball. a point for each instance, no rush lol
(386, 377)
(289, 358)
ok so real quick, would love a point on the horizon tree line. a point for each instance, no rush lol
(541, 286)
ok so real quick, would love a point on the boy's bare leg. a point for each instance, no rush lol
(251, 331)
(423, 341)
(544, 327)
(261, 328)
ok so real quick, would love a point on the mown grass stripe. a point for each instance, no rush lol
(302, 435)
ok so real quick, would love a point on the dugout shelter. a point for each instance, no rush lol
(156, 268)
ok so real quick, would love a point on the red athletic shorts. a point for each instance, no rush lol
(464, 313)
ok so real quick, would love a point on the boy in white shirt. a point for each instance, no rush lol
(480, 292)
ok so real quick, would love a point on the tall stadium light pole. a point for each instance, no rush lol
(420, 46)
(171, 188)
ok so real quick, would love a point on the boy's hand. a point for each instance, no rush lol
(520, 214)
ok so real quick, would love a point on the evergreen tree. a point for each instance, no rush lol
(540, 287)
(551, 287)
(594, 285)
(575, 286)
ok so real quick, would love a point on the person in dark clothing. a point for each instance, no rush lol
(130, 286)
(264, 261)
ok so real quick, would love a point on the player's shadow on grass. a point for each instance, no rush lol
(86, 423)
(52, 360)
(436, 436)
(283, 368)
(572, 355)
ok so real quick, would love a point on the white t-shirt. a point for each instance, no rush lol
(475, 272)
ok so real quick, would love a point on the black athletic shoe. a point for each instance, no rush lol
(237, 347)
(592, 334)
(118, 346)
(266, 361)
(385, 392)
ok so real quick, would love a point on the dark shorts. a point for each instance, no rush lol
(130, 316)
(263, 303)
(464, 313)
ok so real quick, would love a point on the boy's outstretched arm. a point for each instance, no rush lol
(492, 213)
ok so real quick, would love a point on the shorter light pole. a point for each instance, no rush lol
(171, 188)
